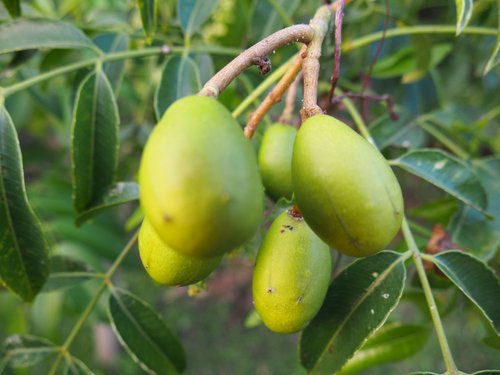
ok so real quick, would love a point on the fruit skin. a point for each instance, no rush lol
(291, 275)
(275, 160)
(166, 266)
(199, 182)
(345, 188)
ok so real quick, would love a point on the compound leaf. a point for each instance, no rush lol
(95, 140)
(25, 34)
(24, 265)
(446, 172)
(357, 303)
(144, 334)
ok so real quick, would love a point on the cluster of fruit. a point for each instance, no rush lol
(202, 195)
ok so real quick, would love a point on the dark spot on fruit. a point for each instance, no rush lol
(270, 290)
(285, 227)
(167, 217)
(299, 300)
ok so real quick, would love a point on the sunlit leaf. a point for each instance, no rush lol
(119, 193)
(357, 303)
(149, 15)
(26, 350)
(13, 7)
(66, 272)
(446, 172)
(28, 34)
(94, 140)
(180, 77)
(194, 13)
(144, 334)
(464, 12)
(24, 265)
(393, 342)
(475, 279)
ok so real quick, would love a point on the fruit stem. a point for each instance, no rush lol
(273, 77)
(287, 114)
(412, 30)
(143, 52)
(274, 96)
(310, 65)
(63, 350)
(295, 33)
(436, 319)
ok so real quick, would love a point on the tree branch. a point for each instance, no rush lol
(310, 65)
(296, 33)
(286, 115)
(274, 96)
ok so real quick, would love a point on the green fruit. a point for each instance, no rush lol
(199, 182)
(275, 160)
(166, 266)
(291, 275)
(344, 187)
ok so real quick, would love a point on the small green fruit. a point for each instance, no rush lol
(275, 160)
(199, 181)
(166, 266)
(291, 275)
(345, 188)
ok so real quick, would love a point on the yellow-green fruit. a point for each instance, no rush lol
(199, 182)
(167, 266)
(291, 275)
(344, 187)
(275, 160)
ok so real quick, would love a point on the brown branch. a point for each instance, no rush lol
(286, 115)
(274, 96)
(296, 33)
(310, 65)
(339, 17)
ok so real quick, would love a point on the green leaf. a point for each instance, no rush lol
(268, 17)
(109, 43)
(403, 132)
(494, 60)
(74, 366)
(205, 65)
(410, 63)
(149, 15)
(144, 335)
(475, 279)
(357, 303)
(26, 350)
(119, 193)
(13, 7)
(66, 272)
(28, 34)
(470, 228)
(464, 12)
(193, 14)
(23, 250)
(180, 77)
(446, 172)
(94, 140)
(393, 342)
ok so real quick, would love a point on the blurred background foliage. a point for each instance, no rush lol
(435, 80)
